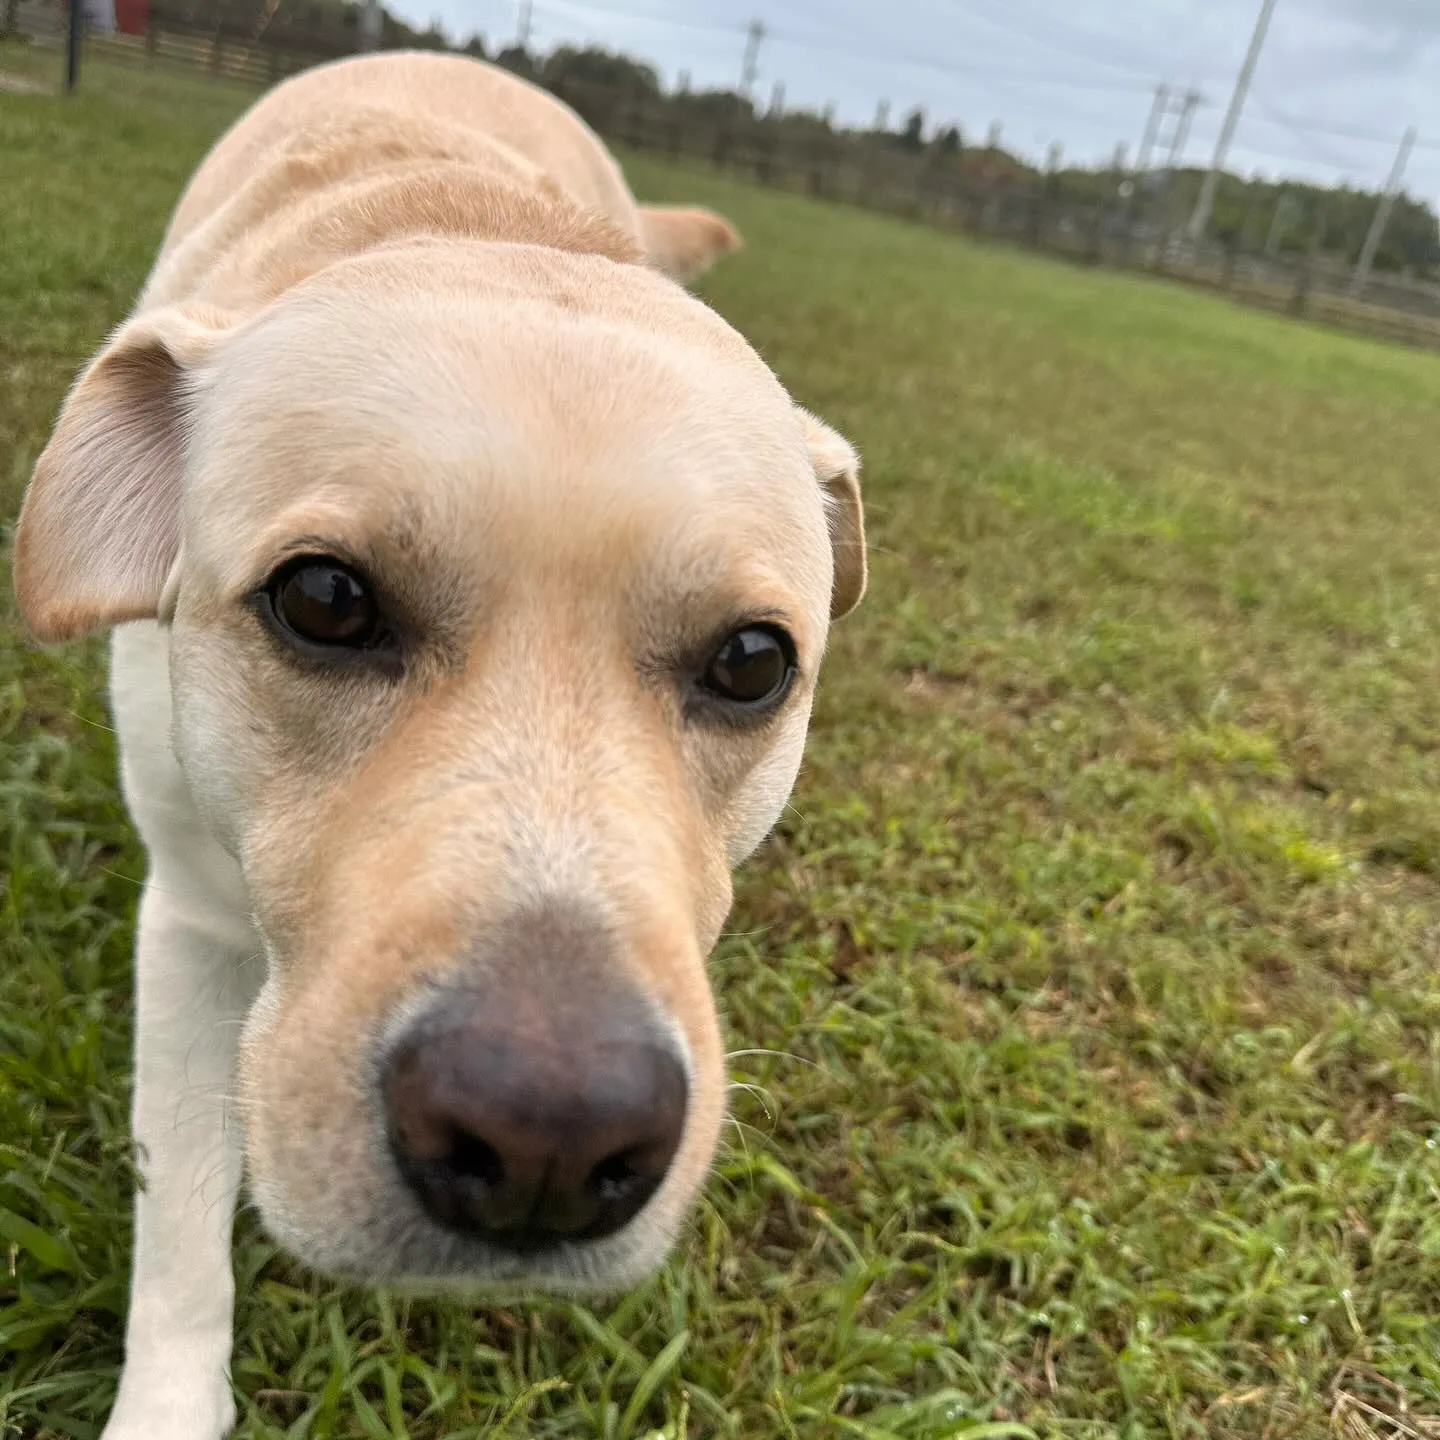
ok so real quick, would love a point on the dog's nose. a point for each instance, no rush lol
(524, 1136)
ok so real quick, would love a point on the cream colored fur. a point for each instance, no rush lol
(403, 314)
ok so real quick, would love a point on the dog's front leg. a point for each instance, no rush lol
(196, 974)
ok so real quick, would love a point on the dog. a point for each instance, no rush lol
(468, 580)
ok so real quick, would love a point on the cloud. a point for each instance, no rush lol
(1413, 17)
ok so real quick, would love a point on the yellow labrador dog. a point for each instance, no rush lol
(470, 581)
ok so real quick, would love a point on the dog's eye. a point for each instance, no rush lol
(324, 603)
(753, 667)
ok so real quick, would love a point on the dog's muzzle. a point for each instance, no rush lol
(533, 1104)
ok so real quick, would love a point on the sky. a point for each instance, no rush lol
(1338, 80)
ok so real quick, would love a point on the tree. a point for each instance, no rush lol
(600, 70)
(947, 142)
(518, 60)
(912, 137)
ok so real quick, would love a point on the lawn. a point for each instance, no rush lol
(1085, 1003)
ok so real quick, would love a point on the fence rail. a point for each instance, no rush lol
(964, 194)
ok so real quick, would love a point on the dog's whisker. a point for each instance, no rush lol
(94, 724)
(763, 1096)
(772, 1055)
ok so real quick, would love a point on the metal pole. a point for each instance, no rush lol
(1206, 203)
(750, 65)
(1152, 128)
(1278, 222)
(1182, 128)
(1382, 213)
(372, 25)
(72, 45)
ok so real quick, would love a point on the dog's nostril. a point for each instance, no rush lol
(475, 1159)
(618, 1178)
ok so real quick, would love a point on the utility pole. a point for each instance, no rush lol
(1382, 213)
(1189, 104)
(750, 66)
(522, 29)
(1200, 220)
(372, 24)
(1285, 209)
(1152, 128)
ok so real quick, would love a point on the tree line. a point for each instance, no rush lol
(1284, 217)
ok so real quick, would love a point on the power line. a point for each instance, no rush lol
(1067, 40)
(672, 22)
(1340, 132)
(1320, 153)
(951, 67)
(929, 61)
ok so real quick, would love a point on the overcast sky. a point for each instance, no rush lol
(1081, 72)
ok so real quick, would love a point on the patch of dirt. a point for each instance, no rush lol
(19, 85)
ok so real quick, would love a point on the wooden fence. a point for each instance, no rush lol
(974, 192)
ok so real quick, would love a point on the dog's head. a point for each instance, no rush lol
(497, 585)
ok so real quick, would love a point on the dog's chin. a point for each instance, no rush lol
(416, 1258)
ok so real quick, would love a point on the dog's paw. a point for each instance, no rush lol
(171, 1408)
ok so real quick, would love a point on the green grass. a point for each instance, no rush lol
(1099, 951)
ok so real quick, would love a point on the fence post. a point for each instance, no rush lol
(1036, 218)
(990, 214)
(1097, 233)
(72, 45)
(765, 154)
(632, 133)
(862, 178)
(1300, 301)
(927, 187)
(1232, 258)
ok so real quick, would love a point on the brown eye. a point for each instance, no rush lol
(753, 667)
(324, 603)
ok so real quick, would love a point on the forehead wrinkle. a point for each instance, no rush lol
(579, 441)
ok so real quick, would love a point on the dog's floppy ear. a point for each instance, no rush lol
(684, 242)
(100, 527)
(837, 468)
